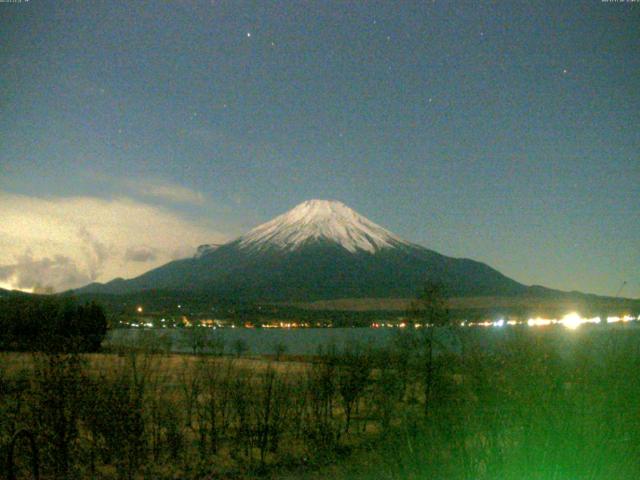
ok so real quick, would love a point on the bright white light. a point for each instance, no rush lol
(539, 322)
(572, 321)
(624, 318)
(499, 323)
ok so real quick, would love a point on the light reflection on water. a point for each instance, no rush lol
(307, 341)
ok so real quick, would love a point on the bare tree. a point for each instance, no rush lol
(240, 347)
(196, 339)
(242, 397)
(59, 380)
(430, 310)
(279, 349)
(190, 384)
(353, 377)
(217, 400)
(321, 391)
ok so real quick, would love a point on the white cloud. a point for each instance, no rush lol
(159, 189)
(66, 242)
(140, 253)
(28, 273)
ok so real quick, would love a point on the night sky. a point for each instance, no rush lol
(507, 132)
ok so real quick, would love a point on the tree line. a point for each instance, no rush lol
(49, 323)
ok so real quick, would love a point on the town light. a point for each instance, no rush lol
(572, 320)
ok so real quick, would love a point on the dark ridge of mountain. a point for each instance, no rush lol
(13, 293)
(318, 270)
(317, 251)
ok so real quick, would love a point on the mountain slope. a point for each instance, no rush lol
(318, 250)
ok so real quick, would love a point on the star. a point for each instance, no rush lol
(248, 34)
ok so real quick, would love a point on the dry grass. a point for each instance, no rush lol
(12, 362)
(559, 416)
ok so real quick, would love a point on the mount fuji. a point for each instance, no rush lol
(318, 250)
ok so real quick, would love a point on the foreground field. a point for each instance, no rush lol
(524, 409)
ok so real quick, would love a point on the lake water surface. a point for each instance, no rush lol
(307, 341)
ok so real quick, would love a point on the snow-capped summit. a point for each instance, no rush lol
(323, 220)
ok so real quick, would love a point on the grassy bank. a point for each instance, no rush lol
(522, 410)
